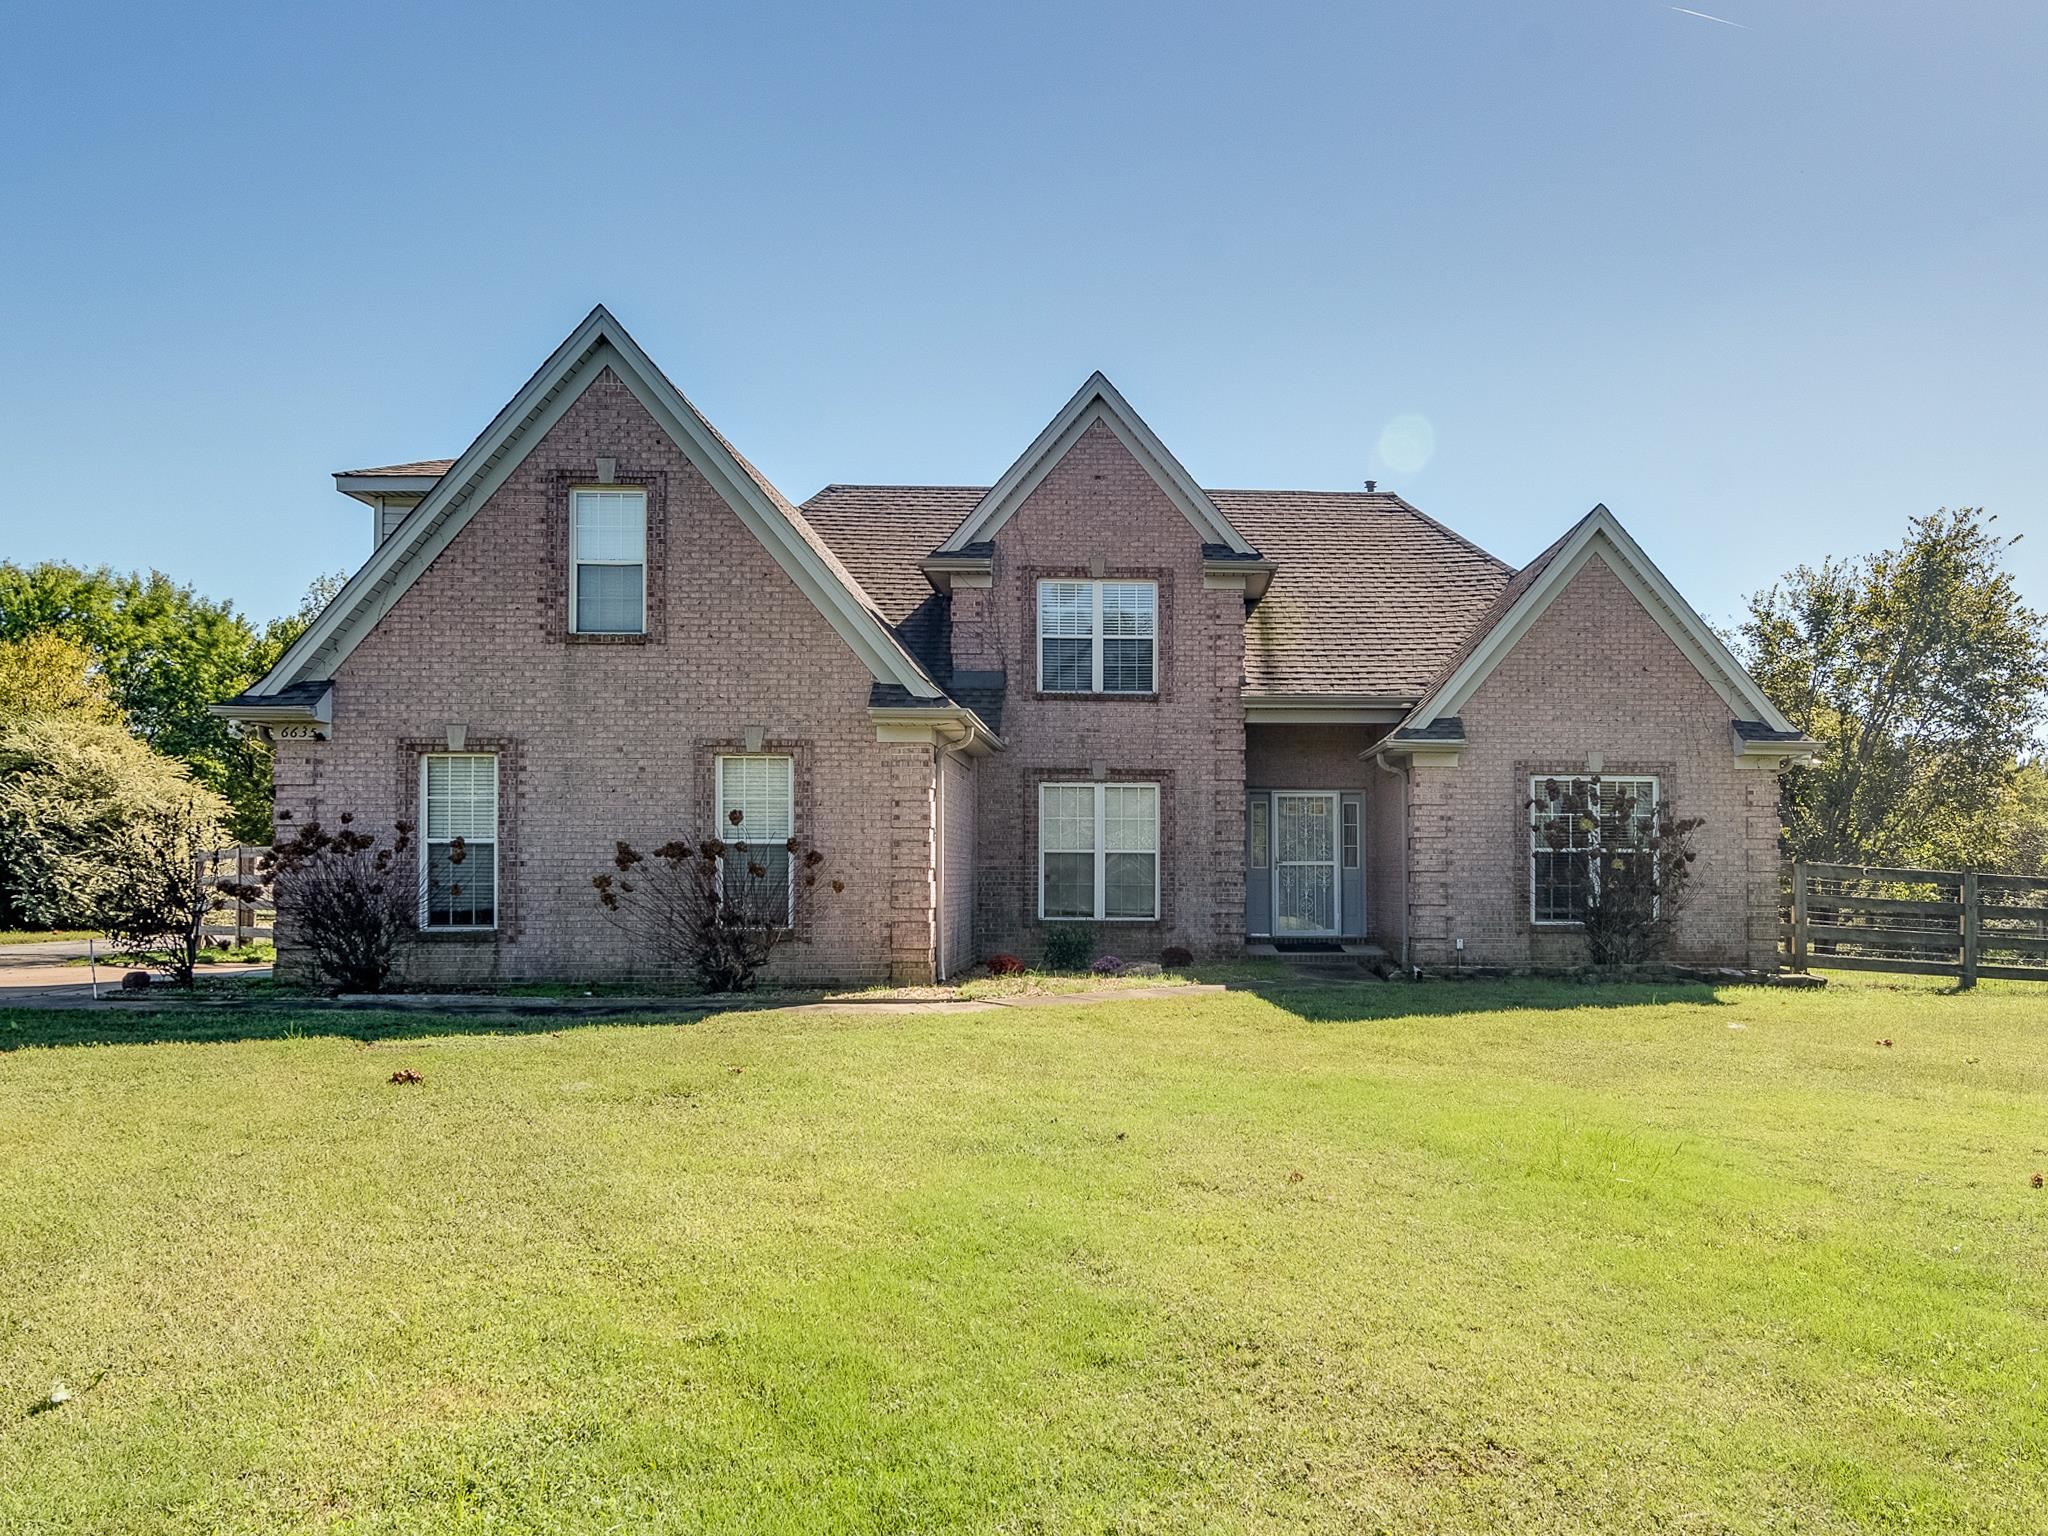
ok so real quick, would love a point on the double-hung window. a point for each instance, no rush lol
(1572, 822)
(459, 840)
(1098, 636)
(608, 562)
(760, 788)
(1098, 851)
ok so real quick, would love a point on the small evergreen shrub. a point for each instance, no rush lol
(1069, 946)
(1108, 965)
(1175, 957)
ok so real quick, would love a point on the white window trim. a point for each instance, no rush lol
(427, 843)
(1096, 636)
(1101, 850)
(723, 826)
(615, 490)
(1536, 780)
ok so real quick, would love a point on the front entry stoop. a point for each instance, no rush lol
(1324, 960)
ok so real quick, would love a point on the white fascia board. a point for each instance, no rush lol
(945, 725)
(367, 488)
(1324, 709)
(1096, 400)
(1602, 536)
(502, 446)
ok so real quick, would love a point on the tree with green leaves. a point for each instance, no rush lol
(70, 790)
(165, 653)
(1924, 676)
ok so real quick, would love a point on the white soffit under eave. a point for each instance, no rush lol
(1602, 536)
(597, 343)
(1096, 400)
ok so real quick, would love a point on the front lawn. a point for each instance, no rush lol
(1383, 1258)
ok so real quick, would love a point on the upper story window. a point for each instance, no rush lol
(1573, 822)
(1098, 636)
(608, 562)
(459, 840)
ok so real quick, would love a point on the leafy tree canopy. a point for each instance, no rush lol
(69, 790)
(1924, 677)
(165, 653)
(47, 675)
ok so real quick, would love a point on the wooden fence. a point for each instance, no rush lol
(1929, 922)
(252, 919)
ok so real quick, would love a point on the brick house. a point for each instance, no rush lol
(1093, 691)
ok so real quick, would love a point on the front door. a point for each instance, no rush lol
(1305, 901)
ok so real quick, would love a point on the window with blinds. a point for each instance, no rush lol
(608, 562)
(760, 789)
(459, 840)
(1098, 636)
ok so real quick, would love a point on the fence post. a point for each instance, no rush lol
(1799, 914)
(1973, 929)
(245, 913)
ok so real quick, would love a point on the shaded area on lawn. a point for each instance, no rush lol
(219, 1017)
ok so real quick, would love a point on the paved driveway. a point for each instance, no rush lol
(42, 976)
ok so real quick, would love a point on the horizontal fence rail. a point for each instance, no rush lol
(236, 864)
(1964, 923)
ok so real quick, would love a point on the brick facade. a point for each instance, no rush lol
(606, 741)
(1594, 675)
(1098, 512)
(613, 738)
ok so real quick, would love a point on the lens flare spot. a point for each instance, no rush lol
(1407, 443)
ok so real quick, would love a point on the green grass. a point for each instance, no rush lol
(1469, 1257)
(41, 935)
(256, 952)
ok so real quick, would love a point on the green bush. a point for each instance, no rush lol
(1069, 946)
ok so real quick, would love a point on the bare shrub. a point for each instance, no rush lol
(154, 892)
(351, 904)
(716, 908)
(1630, 865)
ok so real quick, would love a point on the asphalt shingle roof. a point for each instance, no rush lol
(434, 467)
(1370, 596)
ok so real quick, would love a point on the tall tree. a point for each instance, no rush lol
(46, 674)
(165, 654)
(1924, 677)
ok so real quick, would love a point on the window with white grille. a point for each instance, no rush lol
(1098, 852)
(760, 788)
(1571, 821)
(1098, 636)
(459, 840)
(608, 562)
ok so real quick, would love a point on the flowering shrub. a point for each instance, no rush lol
(1005, 965)
(1174, 957)
(1108, 965)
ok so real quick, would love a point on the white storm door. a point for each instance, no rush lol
(1304, 865)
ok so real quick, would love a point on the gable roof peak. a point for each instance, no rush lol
(1599, 534)
(597, 343)
(1097, 400)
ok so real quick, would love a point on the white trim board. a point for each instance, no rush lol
(1600, 535)
(1096, 400)
(600, 342)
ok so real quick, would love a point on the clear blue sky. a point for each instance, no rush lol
(1767, 289)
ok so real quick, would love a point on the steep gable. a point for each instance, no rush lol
(599, 346)
(1096, 403)
(1600, 537)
